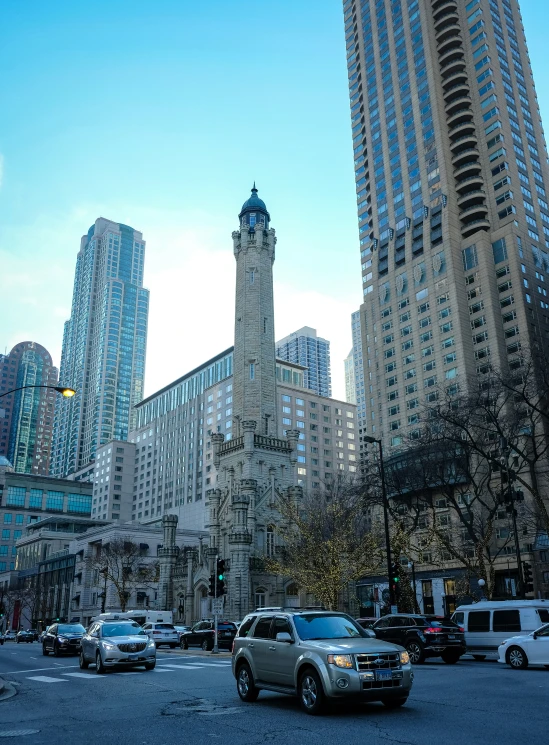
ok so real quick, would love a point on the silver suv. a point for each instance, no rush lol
(116, 643)
(318, 656)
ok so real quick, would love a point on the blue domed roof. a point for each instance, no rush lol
(254, 204)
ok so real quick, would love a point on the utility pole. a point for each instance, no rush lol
(215, 649)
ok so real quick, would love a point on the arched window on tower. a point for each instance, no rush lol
(260, 598)
(252, 219)
(270, 541)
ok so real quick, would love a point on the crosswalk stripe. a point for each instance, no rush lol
(208, 664)
(85, 675)
(184, 667)
(46, 679)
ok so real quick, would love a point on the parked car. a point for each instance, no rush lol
(43, 634)
(9, 635)
(110, 644)
(489, 623)
(367, 622)
(422, 636)
(63, 638)
(320, 656)
(25, 636)
(527, 649)
(202, 635)
(182, 629)
(163, 634)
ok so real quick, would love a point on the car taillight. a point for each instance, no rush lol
(432, 630)
(158, 633)
(462, 629)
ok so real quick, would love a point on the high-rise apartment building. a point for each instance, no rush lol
(305, 348)
(104, 345)
(350, 383)
(453, 208)
(26, 416)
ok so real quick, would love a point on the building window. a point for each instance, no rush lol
(54, 501)
(80, 503)
(270, 541)
(260, 598)
(252, 371)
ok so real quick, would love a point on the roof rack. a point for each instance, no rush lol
(286, 608)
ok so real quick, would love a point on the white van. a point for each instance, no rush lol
(488, 623)
(139, 616)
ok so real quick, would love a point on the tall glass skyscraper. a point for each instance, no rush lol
(104, 345)
(305, 348)
(26, 416)
(452, 196)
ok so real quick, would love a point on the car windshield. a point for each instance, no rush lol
(122, 629)
(72, 628)
(169, 626)
(327, 627)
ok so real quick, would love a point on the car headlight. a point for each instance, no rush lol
(404, 658)
(62, 639)
(109, 646)
(151, 644)
(340, 660)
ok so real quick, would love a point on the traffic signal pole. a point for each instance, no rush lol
(215, 649)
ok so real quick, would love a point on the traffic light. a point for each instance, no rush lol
(395, 578)
(220, 578)
(528, 577)
(211, 592)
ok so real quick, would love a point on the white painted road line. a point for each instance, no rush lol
(85, 675)
(45, 679)
(211, 664)
(183, 667)
(35, 670)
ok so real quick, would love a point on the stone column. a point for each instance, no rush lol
(240, 540)
(167, 557)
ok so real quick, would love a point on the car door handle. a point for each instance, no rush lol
(272, 649)
(250, 646)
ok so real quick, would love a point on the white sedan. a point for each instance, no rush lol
(531, 649)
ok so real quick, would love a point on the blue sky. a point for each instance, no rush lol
(160, 115)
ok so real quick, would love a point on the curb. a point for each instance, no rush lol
(7, 690)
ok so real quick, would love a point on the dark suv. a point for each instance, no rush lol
(423, 636)
(202, 635)
(63, 638)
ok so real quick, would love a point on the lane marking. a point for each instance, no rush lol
(35, 670)
(85, 675)
(183, 667)
(46, 679)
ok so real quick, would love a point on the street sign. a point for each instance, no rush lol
(217, 606)
(394, 608)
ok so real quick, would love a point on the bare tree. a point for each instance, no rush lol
(123, 564)
(327, 541)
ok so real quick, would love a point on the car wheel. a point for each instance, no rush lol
(479, 657)
(45, 651)
(184, 644)
(100, 668)
(450, 658)
(150, 665)
(417, 656)
(82, 661)
(245, 684)
(311, 693)
(17, 641)
(206, 645)
(516, 658)
(56, 650)
(394, 703)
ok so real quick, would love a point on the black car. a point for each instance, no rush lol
(202, 635)
(63, 638)
(25, 636)
(423, 636)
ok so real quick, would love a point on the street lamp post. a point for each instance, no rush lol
(412, 566)
(385, 516)
(66, 392)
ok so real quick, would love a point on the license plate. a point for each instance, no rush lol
(384, 675)
(133, 657)
(451, 636)
(225, 633)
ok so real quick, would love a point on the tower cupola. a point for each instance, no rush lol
(254, 212)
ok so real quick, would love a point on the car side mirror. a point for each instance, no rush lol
(283, 636)
(535, 634)
(370, 633)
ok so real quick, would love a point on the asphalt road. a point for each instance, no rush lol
(193, 700)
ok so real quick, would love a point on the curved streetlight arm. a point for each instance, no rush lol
(67, 392)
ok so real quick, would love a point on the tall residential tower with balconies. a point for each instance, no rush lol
(451, 183)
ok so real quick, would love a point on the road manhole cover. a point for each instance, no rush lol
(18, 732)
